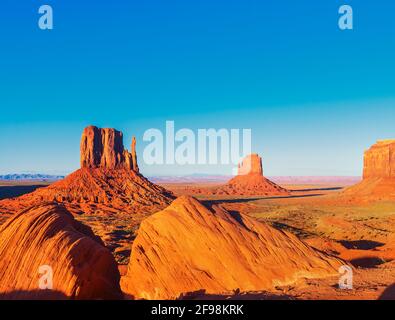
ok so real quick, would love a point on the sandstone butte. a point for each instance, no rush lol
(103, 148)
(188, 247)
(49, 235)
(378, 174)
(109, 176)
(250, 181)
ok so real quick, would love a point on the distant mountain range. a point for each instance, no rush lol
(197, 178)
(29, 176)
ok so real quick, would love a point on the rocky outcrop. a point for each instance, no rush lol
(48, 236)
(103, 148)
(188, 247)
(379, 160)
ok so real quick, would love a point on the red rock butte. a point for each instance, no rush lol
(109, 175)
(250, 180)
(48, 235)
(251, 164)
(188, 247)
(378, 173)
(103, 148)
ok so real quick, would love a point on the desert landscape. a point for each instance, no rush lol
(108, 232)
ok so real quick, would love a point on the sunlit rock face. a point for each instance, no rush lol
(188, 247)
(46, 237)
(379, 160)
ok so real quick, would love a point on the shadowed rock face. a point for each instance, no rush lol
(48, 235)
(103, 148)
(188, 247)
(379, 160)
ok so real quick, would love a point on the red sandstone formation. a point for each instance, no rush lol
(250, 181)
(252, 164)
(378, 173)
(103, 148)
(107, 193)
(188, 247)
(379, 160)
(48, 235)
(109, 175)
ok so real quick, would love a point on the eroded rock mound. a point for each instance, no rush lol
(378, 174)
(188, 247)
(115, 187)
(48, 235)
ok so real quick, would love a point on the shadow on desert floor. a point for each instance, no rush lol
(368, 262)
(202, 295)
(389, 293)
(361, 244)
(16, 191)
(245, 200)
(33, 295)
(317, 189)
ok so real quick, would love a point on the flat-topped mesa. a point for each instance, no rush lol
(379, 160)
(252, 164)
(103, 148)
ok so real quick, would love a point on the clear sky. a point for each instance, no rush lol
(314, 96)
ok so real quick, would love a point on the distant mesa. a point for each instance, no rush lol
(249, 181)
(378, 173)
(48, 235)
(109, 175)
(188, 247)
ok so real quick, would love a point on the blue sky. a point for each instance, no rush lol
(315, 97)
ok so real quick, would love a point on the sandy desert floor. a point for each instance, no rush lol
(363, 235)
